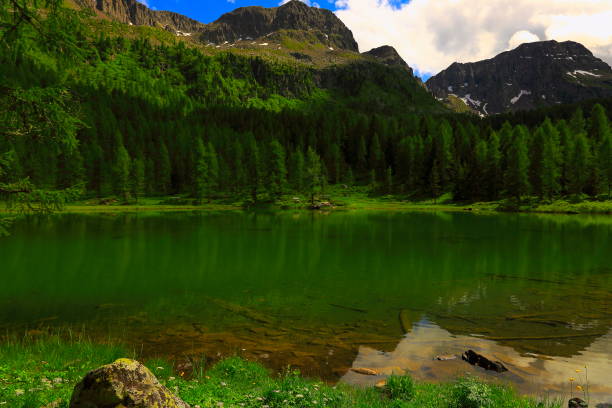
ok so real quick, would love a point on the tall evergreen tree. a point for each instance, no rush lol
(277, 171)
(580, 167)
(137, 178)
(122, 173)
(314, 176)
(517, 173)
(202, 171)
(253, 167)
(297, 170)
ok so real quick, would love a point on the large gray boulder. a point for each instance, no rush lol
(123, 384)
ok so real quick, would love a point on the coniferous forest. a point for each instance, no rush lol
(112, 115)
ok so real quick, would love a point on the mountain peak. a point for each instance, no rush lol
(389, 56)
(255, 22)
(532, 75)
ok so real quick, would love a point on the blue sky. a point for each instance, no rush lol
(207, 11)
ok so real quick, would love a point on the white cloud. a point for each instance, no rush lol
(432, 34)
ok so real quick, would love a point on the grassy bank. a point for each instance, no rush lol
(338, 198)
(355, 198)
(42, 373)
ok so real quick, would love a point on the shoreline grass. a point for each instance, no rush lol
(336, 199)
(43, 373)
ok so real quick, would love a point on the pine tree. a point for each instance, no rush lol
(137, 178)
(605, 162)
(239, 168)
(376, 160)
(313, 174)
(164, 169)
(434, 182)
(297, 170)
(213, 168)
(577, 122)
(550, 170)
(517, 173)
(202, 171)
(253, 167)
(389, 181)
(599, 126)
(360, 159)
(479, 177)
(277, 171)
(580, 167)
(71, 170)
(335, 163)
(566, 144)
(493, 167)
(122, 173)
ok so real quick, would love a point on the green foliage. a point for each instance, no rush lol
(471, 393)
(63, 104)
(400, 387)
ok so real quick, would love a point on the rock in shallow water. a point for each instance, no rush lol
(123, 384)
(479, 360)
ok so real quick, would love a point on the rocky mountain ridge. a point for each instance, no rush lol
(533, 75)
(257, 22)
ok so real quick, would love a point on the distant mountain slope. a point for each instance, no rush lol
(135, 13)
(257, 22)
(533, 75)
(389, 56)
(245, 23)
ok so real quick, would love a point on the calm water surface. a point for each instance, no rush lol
(326, 292)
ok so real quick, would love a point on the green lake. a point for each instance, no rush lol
(326, 291)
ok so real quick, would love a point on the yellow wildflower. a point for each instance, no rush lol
(578, 370)
(579, 387)
(572, 379)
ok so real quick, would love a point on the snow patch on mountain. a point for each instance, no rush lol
(522, 93)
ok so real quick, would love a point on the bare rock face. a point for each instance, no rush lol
(123, 384)
(256, 22)
(533, 75)
(136, 13)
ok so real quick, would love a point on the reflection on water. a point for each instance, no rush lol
(312, 289)
(541, 375)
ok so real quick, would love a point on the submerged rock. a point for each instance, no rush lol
(481, 361)
(445, 357)
(577, 403)
(124, 383)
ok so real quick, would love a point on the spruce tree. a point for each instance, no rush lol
(277, 170)
(164, 169)
(376, 160)
(253, 167)
(137, 178)
(517, 173)
(493, 167)
(599, 126)
(201, 178)
(122, 173)
(605, 163)
(389, 181)
(297, 170)
(314, 179)
(580, 168)
(239, 167)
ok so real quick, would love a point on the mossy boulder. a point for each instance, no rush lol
(123, 384)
